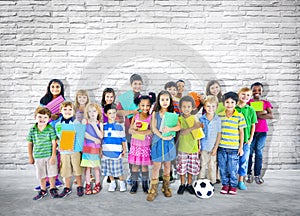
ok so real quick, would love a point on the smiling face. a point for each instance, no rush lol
(172, 90)
(186, 108)
(67, 112)
(145, 106)
(111, 115)
(180, 87)
(210, 108)
(214, 89)
(82, 99)
(245, 96)
(42, 119)
(136, 86)
(257, 92)
(55, 89)
(164, 101)
(109, 98)
(229, 104)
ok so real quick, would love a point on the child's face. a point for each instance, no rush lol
(109, 98)
(210, 108)
(245, 96)
(164, 101)
(41, 119)
(186, 107)
(229, 104)
(82, 99)
(180, 87)
(214, 89)
(136, 86)
(172, 90)
(111, 114)
(67, 112)
(55, 89)
(257, 92)
(145, 106)
(92, 113)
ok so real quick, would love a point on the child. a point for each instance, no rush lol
(163, 149)
(108, 97)
(188, 150)
(250, 118)
(213, 87)
(210, 143)
(231, 144)
(180, 89)
(172, 88)
(139, 154)
(42, 151)
(260, 135)
(81, 100)
(113, 148)
(91, 148)
(70, 160)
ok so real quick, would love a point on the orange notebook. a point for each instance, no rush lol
(67, 140)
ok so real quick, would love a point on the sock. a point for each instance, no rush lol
(145, 176)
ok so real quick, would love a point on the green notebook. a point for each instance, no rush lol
(170, 120)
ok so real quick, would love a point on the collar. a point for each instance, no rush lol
(67, 121)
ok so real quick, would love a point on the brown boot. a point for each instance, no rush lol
(165, 188)
(152, 193)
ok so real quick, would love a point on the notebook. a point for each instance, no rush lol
(67, 140)
(54, 105)
(197, 133)
(143, 128)
(126, 100)
(257, 105)
(170, 120)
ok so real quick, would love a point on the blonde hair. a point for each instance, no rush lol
(95, 105)
(84, 93)
(244, 89)
(211, 99)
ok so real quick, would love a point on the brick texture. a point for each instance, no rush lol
(96, 44)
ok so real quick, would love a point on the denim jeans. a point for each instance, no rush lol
(243, 160)
(257, 147)
(228, 163)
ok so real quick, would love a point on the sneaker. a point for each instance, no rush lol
(242, 186)
(112, 186)
(41, 195)
(129, 181)
(80, 191)
(218, 181)
(65, 192)
(58, 183)
(258, 180)
(249, 179)
(190, 189)
(54, 193)
(181, 189)
(232, 190)
(224, 189)
(122, 186)
(38, 188)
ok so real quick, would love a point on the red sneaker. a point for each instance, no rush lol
(232, 190)
(224, 189)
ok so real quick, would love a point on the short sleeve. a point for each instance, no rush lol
(52, 133)
(253, 116)
(29, 136)
(268, 105)
(242, 122)
(219, 128)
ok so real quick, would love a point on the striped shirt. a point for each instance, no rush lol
(42, 141)
(230, 137)
(114, 135)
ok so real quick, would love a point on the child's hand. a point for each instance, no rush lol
(31, 160)
(240, 151)
(214, 151)
(123, 153)
(100, 153)
(97, 141)
(197, 125)
(199, 151)
(167, 138)
(202, 125)
(249, 141)
(54, 116)
(52, 160)
(166, 129)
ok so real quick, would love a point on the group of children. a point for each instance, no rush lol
(84, 138)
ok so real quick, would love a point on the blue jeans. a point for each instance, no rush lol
(228, 163)
(257, 147)
(243, 160)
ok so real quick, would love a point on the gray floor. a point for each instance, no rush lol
(279, 195)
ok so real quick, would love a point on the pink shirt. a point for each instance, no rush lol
(262, 125)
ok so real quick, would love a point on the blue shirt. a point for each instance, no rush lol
(211, 130)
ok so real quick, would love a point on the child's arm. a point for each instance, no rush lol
(199, 146)
(196, 125)
(127, 112)
(98, 131)
(155, 130)
(241, 133)
(88, 136)
(176, 128)
(265, 114)
(215, 149)
(251, 134)
(53, 156)
(124, 149)
(30, 150)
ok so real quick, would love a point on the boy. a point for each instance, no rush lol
(210, 143)
(180, 87)
(70, 160)
(42, 151)
(113, 149)
(250, 118)
(172, 88)
(231, 144)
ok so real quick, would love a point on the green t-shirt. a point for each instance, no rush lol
(187, 144)
(250, 118)
(220, 108)
(42, 141)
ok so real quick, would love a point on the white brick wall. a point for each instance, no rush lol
(95, 44)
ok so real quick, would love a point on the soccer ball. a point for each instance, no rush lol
(204, 188)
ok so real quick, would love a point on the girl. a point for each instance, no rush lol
(108, 97)
(260, 135)
(81, 100)
(163, 149)
(213, 87)
(139, 154)
(91, 147)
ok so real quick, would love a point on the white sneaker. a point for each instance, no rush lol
(122, 186)
(112, 186)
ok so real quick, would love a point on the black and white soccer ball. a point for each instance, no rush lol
(204, 188)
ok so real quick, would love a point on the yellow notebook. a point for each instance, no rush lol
(197, 133)
(143, 128)
(257, 105)
(67, 140)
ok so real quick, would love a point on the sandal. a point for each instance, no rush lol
(88, 189)
(249, 179)
(97, 188)
(258, 180)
